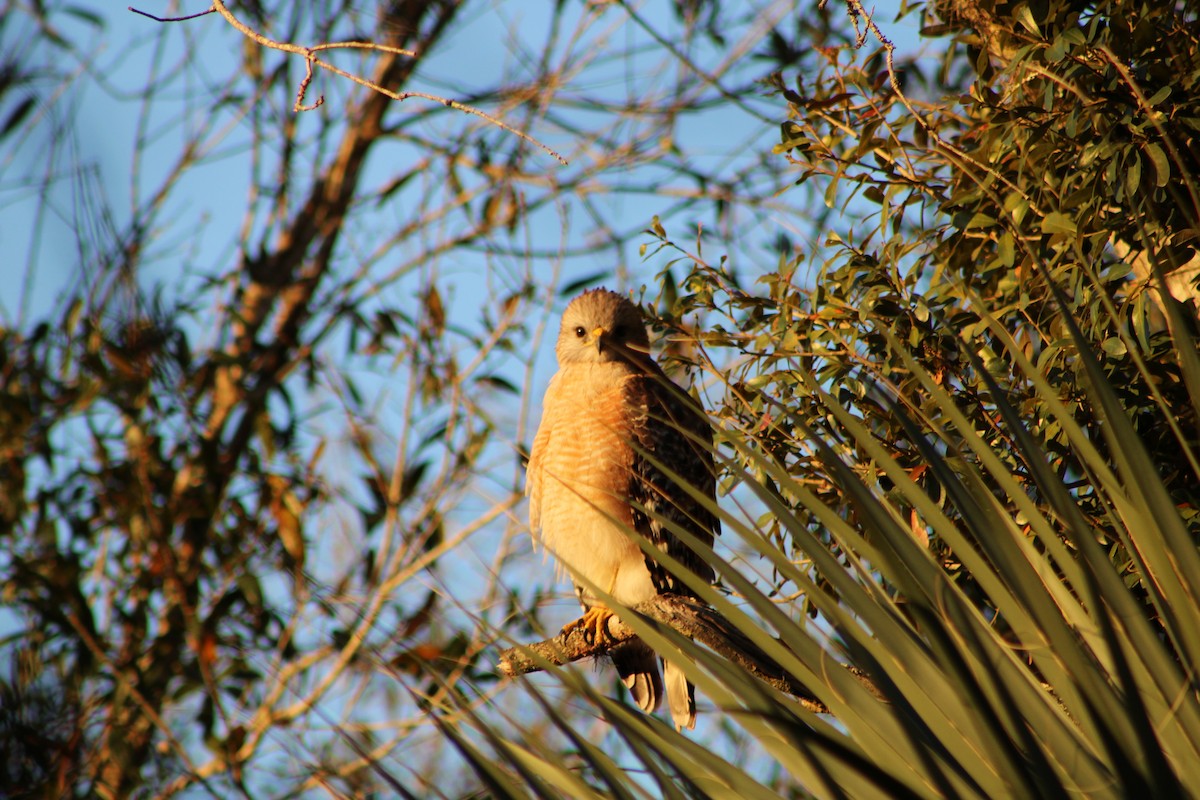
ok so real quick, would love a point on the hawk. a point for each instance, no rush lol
(610, 419)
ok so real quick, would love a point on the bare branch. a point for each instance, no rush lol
(172, 19)
(310, 59)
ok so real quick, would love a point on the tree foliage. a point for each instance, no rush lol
(999, 216)
(261, 457)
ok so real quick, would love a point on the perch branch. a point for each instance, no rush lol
(690, 618)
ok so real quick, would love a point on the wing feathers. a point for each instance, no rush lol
(669, 431)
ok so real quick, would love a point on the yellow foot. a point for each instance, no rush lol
(594, 623)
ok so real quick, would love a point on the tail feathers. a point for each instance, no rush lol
(638, 667)
(681, 697)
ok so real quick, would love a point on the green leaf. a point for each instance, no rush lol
(1162, 166)
(1133, 174)
(980, 220)
(1057, 222)
(1114, 347)
(1005, 251)
(1024, 16)
(1159, 96)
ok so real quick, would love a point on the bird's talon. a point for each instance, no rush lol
(594, 623)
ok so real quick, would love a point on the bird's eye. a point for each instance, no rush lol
(580, 332)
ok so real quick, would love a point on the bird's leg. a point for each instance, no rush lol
(594, 623)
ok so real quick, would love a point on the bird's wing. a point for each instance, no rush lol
(669, 431)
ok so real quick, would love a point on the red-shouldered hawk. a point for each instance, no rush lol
(610, 418)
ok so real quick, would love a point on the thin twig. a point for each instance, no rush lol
(310, 59)
(299, 105)
(171, 19)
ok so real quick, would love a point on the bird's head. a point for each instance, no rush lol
(600, 326)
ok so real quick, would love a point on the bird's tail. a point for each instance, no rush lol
(638, 667)
(681, 696)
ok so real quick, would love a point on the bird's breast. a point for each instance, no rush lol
(583, 463)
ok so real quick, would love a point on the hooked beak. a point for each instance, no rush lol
(598, 336)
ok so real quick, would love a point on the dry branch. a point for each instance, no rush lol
(688, 617)
(311, 60)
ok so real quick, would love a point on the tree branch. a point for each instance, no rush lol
(310, 59)
(688, 617)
